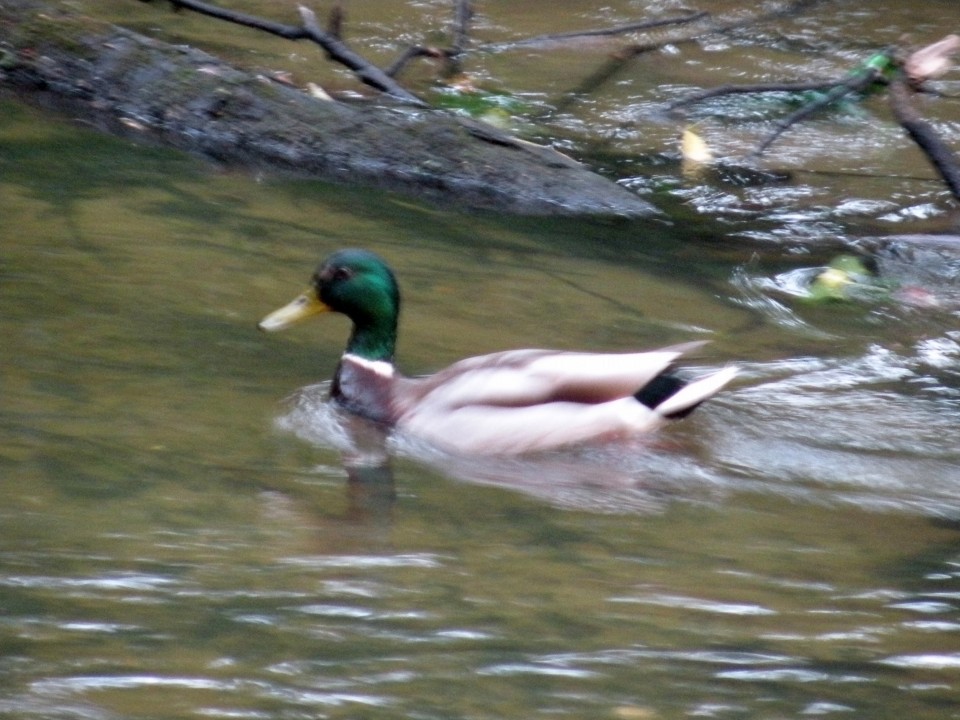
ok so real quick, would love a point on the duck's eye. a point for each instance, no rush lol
(342, 273)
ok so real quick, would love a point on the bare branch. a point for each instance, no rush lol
(924, 135)
(597, 32)
(290, 32)
(414, 51)
(461, 27)
(367, 72)
(758, 88)
(860, 79)
(332, 45)
(335, 20)
(619, 59)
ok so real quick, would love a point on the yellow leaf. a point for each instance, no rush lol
(693, 148)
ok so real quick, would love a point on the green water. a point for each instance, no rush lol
(166, 552)
(178, 541)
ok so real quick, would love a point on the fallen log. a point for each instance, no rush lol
(131, 85)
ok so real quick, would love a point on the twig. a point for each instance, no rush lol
(857, 81)
(414, 51)
(335, 20)
(461, 27)
(334, 48)
(924, 135)
(461, 36)
(759, 88)
(367, 72)
(598, 32)
(625, 55)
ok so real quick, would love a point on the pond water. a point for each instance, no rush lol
(180, 539)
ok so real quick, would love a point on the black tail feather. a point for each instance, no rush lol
(663, 386)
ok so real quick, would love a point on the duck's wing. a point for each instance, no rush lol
(498, 429)
(520, 378)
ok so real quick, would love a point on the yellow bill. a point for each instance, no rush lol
(300, 308)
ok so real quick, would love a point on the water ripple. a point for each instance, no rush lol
(406, 560)
(298, 696)
(535, 669)
(689, 603)
(110, 582)
(794, 675)
(931, 661)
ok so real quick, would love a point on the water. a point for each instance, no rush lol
(178, 539)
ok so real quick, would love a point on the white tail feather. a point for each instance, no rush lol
(696, 392)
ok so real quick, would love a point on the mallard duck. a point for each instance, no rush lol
(504, 403)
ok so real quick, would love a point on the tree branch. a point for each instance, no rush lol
(461, 27)
(759, 88)
(290, 32)
(334, 48)
(719, 27)
(414, 51)
(597, 32)
(337, 50)
(924, 135)
(858, 80)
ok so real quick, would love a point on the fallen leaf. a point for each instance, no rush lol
(693, 148)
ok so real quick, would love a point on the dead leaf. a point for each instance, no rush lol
(694, 148)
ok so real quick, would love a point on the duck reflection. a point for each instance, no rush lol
(639, 476)
(371, 490)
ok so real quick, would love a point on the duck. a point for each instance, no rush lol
(504, 403)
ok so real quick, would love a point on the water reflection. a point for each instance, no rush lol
(626, 476)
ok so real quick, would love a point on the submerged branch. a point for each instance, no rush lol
(461, 27)
(411, 53)
(758, 88)
(623, 56)
(598, 32)
(859, 80)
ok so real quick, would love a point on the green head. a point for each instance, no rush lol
(359, 284)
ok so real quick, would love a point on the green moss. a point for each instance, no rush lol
(70, 33)
(8, 59)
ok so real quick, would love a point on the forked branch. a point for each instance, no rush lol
(309, 29)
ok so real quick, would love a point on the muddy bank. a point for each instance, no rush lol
(129, 84)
